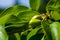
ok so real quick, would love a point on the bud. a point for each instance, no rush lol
(35, 21)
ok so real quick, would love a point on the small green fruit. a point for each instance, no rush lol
(35, 21)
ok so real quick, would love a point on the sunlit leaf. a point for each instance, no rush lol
(55, 30)
(3, 34)
(4, 19)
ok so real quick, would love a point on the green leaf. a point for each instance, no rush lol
(18, 36)
(53, 5)
(35, 4)
(52, 30)
(55, 15)
(4, 19)
(22, 21)
(33, 32)
(6, 16)
(14, 10)
(50, 5)
(13, 20)
(3, 34)
(55, 30)
(14, 25)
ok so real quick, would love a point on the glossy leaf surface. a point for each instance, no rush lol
(55, 30)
